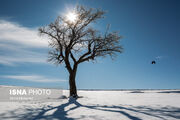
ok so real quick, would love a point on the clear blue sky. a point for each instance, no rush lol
(151, 29)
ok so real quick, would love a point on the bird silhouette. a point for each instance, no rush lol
(153, 62)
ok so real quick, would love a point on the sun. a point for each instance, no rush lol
(72, 17)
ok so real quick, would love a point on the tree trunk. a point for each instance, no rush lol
(72, 83)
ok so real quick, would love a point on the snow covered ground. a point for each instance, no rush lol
(100, 105)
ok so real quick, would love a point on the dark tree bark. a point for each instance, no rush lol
(72, 82)
(74, 41)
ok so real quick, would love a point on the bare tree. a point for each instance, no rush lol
(74, 41)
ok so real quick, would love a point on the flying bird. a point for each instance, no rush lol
(156, 59)
(153, 62)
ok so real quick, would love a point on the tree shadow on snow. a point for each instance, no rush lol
(59, 112)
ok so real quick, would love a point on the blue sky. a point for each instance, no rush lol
(151, 29)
